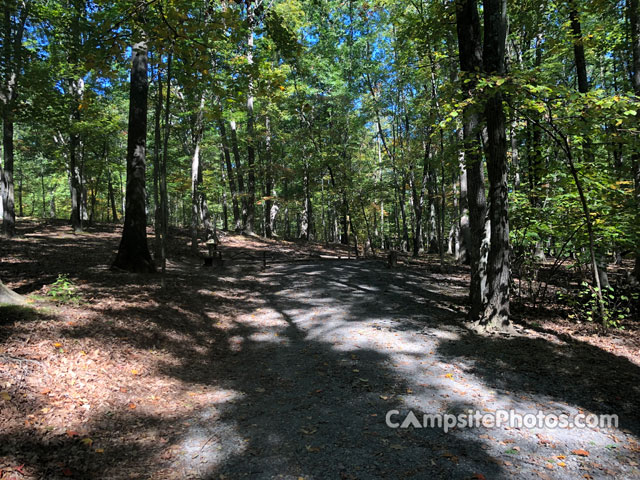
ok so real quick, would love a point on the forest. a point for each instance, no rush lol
(237, 234)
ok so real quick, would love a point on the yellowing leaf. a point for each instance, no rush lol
(86, 441)
(5, 396)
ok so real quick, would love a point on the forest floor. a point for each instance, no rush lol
(287, 371)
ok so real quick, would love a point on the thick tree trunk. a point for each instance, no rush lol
(634, 20)
(578, 49)
(11, 69)
(470, 52)
(9, 213)
(496, 312)
(133, 253)
(9, 297)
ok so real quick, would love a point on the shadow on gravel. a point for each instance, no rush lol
(575, 373)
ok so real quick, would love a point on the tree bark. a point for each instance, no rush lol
(464, 241)
(133, 253)
(470, 53)
(11, 70)
(196, 175)
(157, 146)
(251, 153)
(634, 20)
(237, 220)
(8, 195)
(241, 190)
(496, 311)
(112, 197)
(268, 182)
(9, 297)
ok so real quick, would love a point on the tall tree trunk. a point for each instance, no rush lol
(225, 203)
(133, 253)
(268, 182)
(8, 198)
(237, 220)
(634, 20)
(462, 254)
(470, 53)
(578, 48)
(196, 176)
(157, 147)
(76, 89)
(43, 191)
(251, 153)
(164, 195)
(112, 197)
(306, 220)
(496, 312)
(418, 199)
(76, 92)
(14, 26)
(52, 202)
(241, 190)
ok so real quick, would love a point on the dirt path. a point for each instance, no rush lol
(288, 372)
(333, 346)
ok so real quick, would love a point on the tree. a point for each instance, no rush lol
(496, 312)
(8, 296)
(15, 16)
(470, 53)
(133, 253)
(634, 20)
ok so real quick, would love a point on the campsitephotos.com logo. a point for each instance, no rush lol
(497, 419)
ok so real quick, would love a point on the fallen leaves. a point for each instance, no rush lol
(580, 452)
(5, 396)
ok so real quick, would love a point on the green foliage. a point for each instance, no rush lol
(618, 305)
(63, 290)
